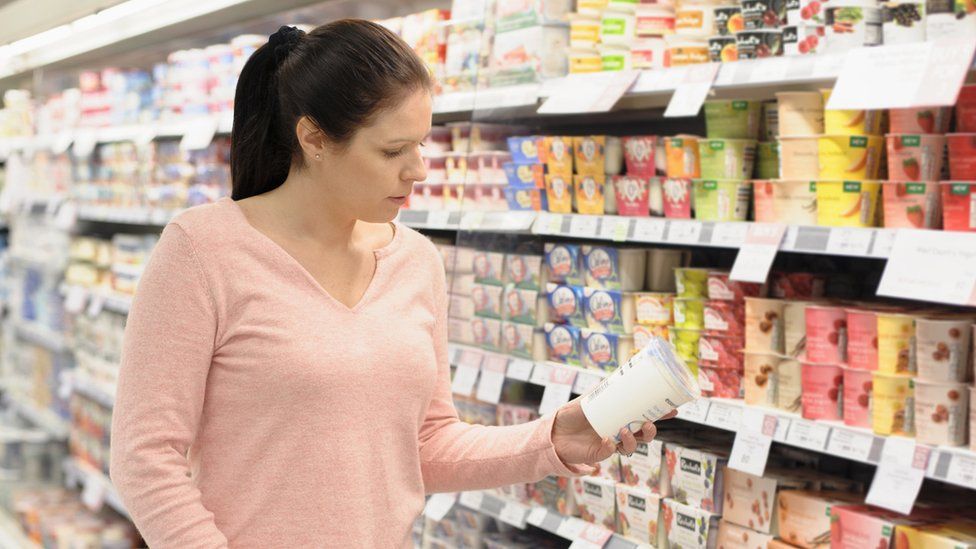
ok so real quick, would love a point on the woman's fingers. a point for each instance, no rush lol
(669, 415)
(628, 442)
(647, 433)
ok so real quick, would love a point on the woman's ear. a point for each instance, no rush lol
(310, 139)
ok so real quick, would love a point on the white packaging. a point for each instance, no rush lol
(661, 263)
(529, 55)
(596, 501)
(903, 22)
(486, 333)
(863, 26)
(944, 19)
(618, 28)
(613, 155)
(614, 268)
(523, 341)
(651, 384)
(642, 469)
(689, 527)
(488, 267)
(648, 53)
(518, 14)
(637, 514)
(804, 39)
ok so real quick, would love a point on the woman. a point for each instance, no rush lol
(285, 380)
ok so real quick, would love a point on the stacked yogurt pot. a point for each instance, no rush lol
(619, 35)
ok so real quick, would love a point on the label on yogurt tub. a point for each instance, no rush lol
(603, 308)
(601, 263)
(563, 263)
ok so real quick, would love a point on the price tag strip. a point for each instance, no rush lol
(757, 254)
(493, 370)
(520, 369)
(584, 226)
(725, 415)
(438, 505)
(696, 411)
(514, 513)
(466, 373)
(808, 434)
(592, 537)
(589, 93)
(750, 450)
(558, 390)
(690, 94)
(472, 500)
(684, 232)
(899, 476)
(851, 444)
(849, 241)
(649, 230)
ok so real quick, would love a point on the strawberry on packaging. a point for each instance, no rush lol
(726, 318)
(720, 382)
(724, 352)
(643, 468)
(797, 285)
(721, 287)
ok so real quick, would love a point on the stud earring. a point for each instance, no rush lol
(318, 157)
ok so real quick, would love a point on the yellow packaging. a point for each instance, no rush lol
(583, 61)
(893, 404)
(559, 192)
(682, 157)
(589, 193)
(849, 156)
(557, 154)
(952, 535)
(584, 31)
(590, 154)
(896, 345)
(591, 7)
(850, 122)
(847, 203)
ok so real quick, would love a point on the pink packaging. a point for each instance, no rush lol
(796, 285)
(862, 339)
(942, 348)
(822, 391)
(677, 198)
(966, 109)
(826, 334)
(857, 397)
(633, 195)
(721, 352)
(915, 157)
(639, 153)
(962, 156)
(720, 287)
(720, 382)
(919, 120)
(911, 205)
(725, 318)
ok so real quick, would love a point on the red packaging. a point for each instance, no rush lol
(919, 120)
(633, 195)
(966, 109)
(826, 334)
(639, 151)
(957, 206)
(822, 390)
(720, 351)
(862, 339)
(857, 397)
(962, 156)
(726, 318)
(720, 382)
(677, 198)
(720, 287)
(797, 285)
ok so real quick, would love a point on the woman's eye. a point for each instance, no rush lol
(393, 154)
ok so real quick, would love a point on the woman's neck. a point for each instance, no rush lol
(303, 209)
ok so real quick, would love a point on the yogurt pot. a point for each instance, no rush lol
(847, 203)
(589, 194)
(590, 154)
(695, 20)
(584, 31)
(689, 313)
(691, 282)
(682, 157)
(789, 387)
(523, 271)
(565, 304)
(524, 341)
(649, 53)
(942, 348)
(764, 325)
(795, 327)
(759, 44)
(583, 61)
(685, 342)
(804, 39)
(727, 158)
(940, 412)
(651, 384)
(486, 333)
(769, 121)
(862, 339)
(958, 213)
(524, 149)
(922, 120)
(966, 109)
(720, 382)
(644, 334)
(915, 157)
(896, 344)
(850, 157)
(604, 352)
(654, 20)
(639, 155)
(857, 397)
(654, 308)
(962, 156)
(661, 266)
(563, 343)
(617, 28)
(763, 14)
(526, 175)
(559, 193)
(800, 113)
(632, 194)
(796, 285)
(721, 352)
(793, 202)
(850, 122)
(725, 318)
(556, 153)
(728, 20)
(902, 22)
(487, 300)
(850, 27)
(823, 390)
(732, 119)
(489, 268)
(722, 49)
(721, 287)
(826, 334)
(562, 263)
(893, 405)
(767, 160)
(613, 268)
(591, 7)
(609, 310)
(949, 19)
(686, 50)
(721, 200)
(615, 58)
(799, 158)
(911, 205)
(677, 197)
(760, 379)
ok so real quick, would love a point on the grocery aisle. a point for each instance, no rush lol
(599, 174)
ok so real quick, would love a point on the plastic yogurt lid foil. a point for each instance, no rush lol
(662, 350)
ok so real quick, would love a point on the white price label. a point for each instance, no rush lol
(492, 379)
(558, 390)
(472, 221)
(770, 69)
(472, 500)
(61, 143)
(899, 475)
(95, 305)
(850, 444)
(684, 232)
(696, 410)
(849, 241)
(520, 369)
(537, 516)
(540, 374)
(730, 235)
(199, 133)
(586, 381)
(553, 224)
(589, 92)
(884, 241)
(725, 416)
(690, 94)
(649, 230)
(464, 380)
(439, 505)
(93, 496)
(84, 144)
(808, 434)
(614, 228)
(438, 219)
(571, 528)
(750, 450)
(962, 470)
(757, 254)
(949, 275)
(584, 226)
(76, 299)
(514, 514)
(592, 537)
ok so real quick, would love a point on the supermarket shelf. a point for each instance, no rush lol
(47, 420)
(11, 534)
(498, 221)
(110, 300)
(42, 336)
(84, 385)
(529, 371)
(131, 216)
(81, 475)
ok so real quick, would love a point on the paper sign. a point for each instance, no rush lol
(76, 299)
(690, 94)
(514, 514)
(93, 496)
(438, 505)
(558, 390)
(939, 267)
(438, 219)
(696, 410)
(756, 256)
(962, 470)
(899, 476)
(198, 133)
(464, 380)
(850, 444)
(750, 450)
(589, 93)
(472, 500)
(520, 369)
(684, 232)
(571, 528)
(922, 74)
(849, 241)
(649, 230)
(537, 516)
(725, 416)
(592, 537)
(808, 434)
(493, 371)
(584, 226)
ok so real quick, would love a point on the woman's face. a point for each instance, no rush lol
(374, 174)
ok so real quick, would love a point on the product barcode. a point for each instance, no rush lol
(599, 389)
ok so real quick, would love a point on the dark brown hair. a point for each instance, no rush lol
(339, 75)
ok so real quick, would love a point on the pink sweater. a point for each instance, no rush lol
(254, 410)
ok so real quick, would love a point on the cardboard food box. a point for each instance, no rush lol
(643, 468)
(733, 536)
(804, 517)
(696, 476)
(596, 501)
(750, 501)
(638, 511)
(688, 527)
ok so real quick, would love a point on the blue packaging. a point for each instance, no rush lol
(563, 263)
(524, 149)
(603, 310)
(526, 199)
(525, 175)
(563, 343)
(566, 304)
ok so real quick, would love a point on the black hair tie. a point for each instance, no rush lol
(283, 41)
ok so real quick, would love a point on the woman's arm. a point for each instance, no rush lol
(167, 350)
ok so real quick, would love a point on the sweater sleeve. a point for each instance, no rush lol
(167, 350)
(457, 456)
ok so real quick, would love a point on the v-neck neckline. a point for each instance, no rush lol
(378, 255)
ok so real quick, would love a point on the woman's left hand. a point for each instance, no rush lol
(577, 443)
